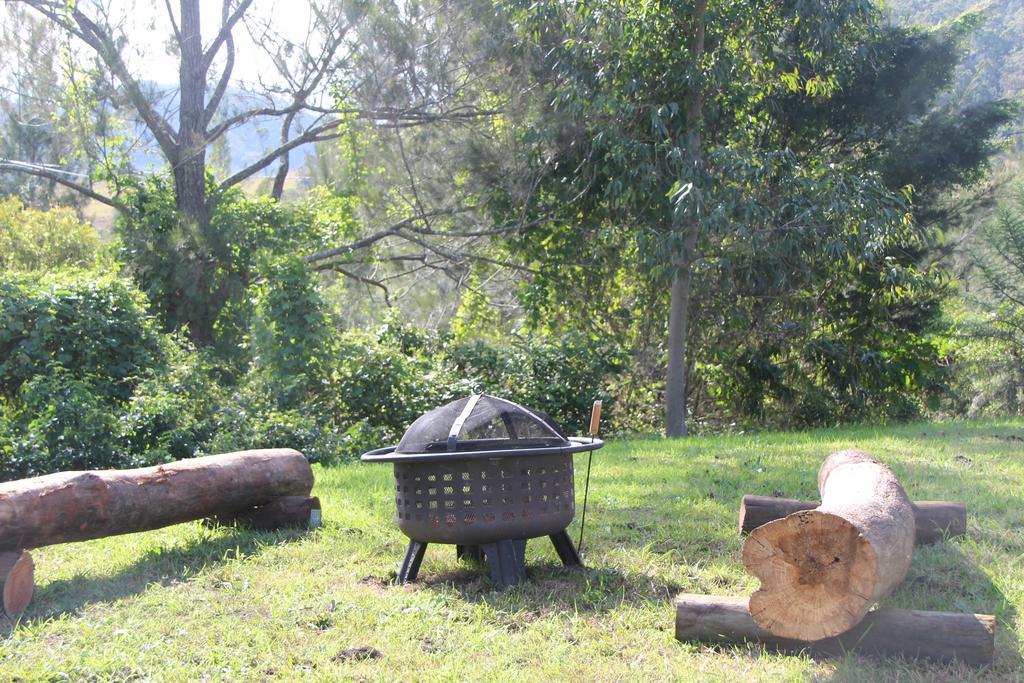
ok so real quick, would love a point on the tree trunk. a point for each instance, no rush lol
(189, 171)
(938, 636)
(679, 307)
(190, 168)
(935, 520)
(675, 381)
(821, 570)
(76, 506)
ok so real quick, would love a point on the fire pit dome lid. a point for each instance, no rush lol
(480, 426)
(480, 422)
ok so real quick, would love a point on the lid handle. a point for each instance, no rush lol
(453, 434)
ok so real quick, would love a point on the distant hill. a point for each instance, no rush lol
(241, 146)
(994, 65)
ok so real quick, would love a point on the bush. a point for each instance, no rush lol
(174, 414)
(561, 377)
(291, 333)
(200, 277)
(62, 424)
(44, 240)
(93, 326)
(379, 384)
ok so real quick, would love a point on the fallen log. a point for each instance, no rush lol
(935, 520)
(16, 580)
(286, 512)
(821, 570)
(938, 636)
(77, 506)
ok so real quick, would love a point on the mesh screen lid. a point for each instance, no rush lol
(480, 423)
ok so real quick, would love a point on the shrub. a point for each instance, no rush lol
(93, 326)
(44, 240)
(61, 424)
(384, 387)
(174, 414)
(291, 332)
(199, 276)
(561, 377)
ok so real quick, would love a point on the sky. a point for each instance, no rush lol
(151, 60)
(150, 57)
(148, 28)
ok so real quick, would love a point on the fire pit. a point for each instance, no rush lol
(484, 474)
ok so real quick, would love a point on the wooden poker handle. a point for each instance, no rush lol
(595, 418)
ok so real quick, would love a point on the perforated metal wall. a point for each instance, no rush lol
(469, 501)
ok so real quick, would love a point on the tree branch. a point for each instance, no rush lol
(355, 276)
(222, 85)
(100, 40)
(227, 25)
(315, 134)
(381, 234)
(42, 172)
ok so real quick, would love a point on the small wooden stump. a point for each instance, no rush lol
(821, 570)
(935, 520)
(16, 580)
(286, 512)
(938, 636)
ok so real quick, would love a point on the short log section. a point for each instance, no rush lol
(286, 512)
(821, 570)
(16, 580)
(935, 520)
(77, 506)
(938, 636)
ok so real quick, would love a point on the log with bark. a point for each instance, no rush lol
(935, 520)
(938, 636)
(821, 570)
(76, 506)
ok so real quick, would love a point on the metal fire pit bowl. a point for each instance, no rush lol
(484, 474)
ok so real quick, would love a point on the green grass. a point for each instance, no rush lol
(189, 603)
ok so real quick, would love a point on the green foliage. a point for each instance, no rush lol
(990, 329)
(560, 376)
(817, 287)
(44, 240)
(96, 327)
(62, 423)
(199, 276)
(174, 414)
(74, 347)
(291, 332)
(379, 382)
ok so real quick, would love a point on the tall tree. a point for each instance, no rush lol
(656, 134)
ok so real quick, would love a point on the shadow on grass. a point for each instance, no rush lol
(552, 587)
(162, 566)
(943, 579)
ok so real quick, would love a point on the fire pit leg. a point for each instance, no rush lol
(565, 549)
(411, 562)
(470, 553)
(507, 560)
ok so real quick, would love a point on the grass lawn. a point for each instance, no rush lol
(192, 603)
